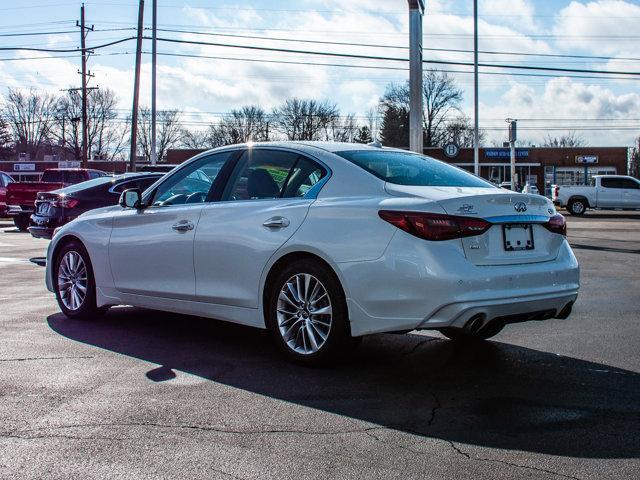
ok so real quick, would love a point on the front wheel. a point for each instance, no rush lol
(306, 314)
(577, 207)
(74, 282)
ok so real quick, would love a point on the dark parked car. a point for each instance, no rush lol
(58, 207)
(5, 180)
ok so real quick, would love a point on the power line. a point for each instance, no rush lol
(372, 45)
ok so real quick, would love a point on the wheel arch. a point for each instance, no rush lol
(278, 263)
(579, 197)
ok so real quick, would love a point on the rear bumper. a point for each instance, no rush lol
(41, 232)
(430, 285)
(17, 210)
(43, 227)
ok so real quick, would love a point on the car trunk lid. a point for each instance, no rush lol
(517, 234)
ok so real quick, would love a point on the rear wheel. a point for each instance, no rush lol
(74, 283)
(21, 222)
(459, 334)
(307, 314)
(577, 207)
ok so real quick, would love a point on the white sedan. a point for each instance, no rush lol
(321, 243)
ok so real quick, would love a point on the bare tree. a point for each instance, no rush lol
(168, 133)
(248, 124)
(30, 115)
(569, 140)
(5, 138)
(299, 119)
(441, 98)
(460, 131)
(194, 139)
(105, 135)
(343, 129)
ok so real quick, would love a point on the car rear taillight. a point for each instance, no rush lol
(556, 191)
(557, 224)
(64, 202)
(435, 226)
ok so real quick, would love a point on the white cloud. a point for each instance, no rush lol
(517, 14)
(564, 98)
(594, 26)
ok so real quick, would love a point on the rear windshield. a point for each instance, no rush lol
(405, 168)
(63, 176)
(84, 185)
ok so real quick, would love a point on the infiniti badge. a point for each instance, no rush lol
(520, 207)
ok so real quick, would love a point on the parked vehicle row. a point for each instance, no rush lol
(604, 192)
(58, 207)
(321, 243)
(21, 196)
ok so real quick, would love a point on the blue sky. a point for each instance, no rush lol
(603, 111)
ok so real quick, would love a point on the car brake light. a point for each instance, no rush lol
(435, 226)
(64, 202)
(557, 224)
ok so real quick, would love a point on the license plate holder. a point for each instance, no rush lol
(517, 237)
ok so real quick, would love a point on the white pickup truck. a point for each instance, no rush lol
(604, 192)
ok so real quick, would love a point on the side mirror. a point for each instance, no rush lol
(131, 198)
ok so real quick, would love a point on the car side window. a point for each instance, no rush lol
(304, 176)
(610, 183)
(629, 184)
(260, 174)
(192, 183)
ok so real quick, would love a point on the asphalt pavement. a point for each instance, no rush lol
(141, 394)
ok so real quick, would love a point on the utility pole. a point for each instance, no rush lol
(476, 133)
(136, 91)
(512, 150)
(83, 47)
(416, 10)
(154, 52)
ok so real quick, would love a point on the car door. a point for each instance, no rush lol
(151, 250)
(630, 193)
(264, 202)
(610, 193)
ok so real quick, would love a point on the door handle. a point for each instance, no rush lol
(183, 226)
(276, 222)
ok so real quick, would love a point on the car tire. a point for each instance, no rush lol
(577, 207)
(459, 334)
(73, 270)
(21, 222)
(306, 314)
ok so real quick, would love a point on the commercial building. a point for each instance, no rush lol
(539, 166)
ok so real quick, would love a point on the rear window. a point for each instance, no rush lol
(84, 185)
(63, 176)
(405, 168)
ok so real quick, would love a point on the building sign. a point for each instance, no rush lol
(69, 164)
(505, 153)
(24, 167)
(451, 150)
(585, 159)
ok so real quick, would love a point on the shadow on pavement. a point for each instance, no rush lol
(490, 394)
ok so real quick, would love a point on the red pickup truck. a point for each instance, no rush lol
(21, 196)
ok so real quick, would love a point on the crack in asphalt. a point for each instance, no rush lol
(418, 345)
(28, 359)
(205, 428)
(504, 462)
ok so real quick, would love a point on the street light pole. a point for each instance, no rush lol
(154, 22)
(136, 91)
(476, 134)
(416, 10)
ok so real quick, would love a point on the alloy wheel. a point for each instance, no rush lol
(304, 313)
(72, 280)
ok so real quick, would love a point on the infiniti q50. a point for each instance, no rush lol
(321, 243)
